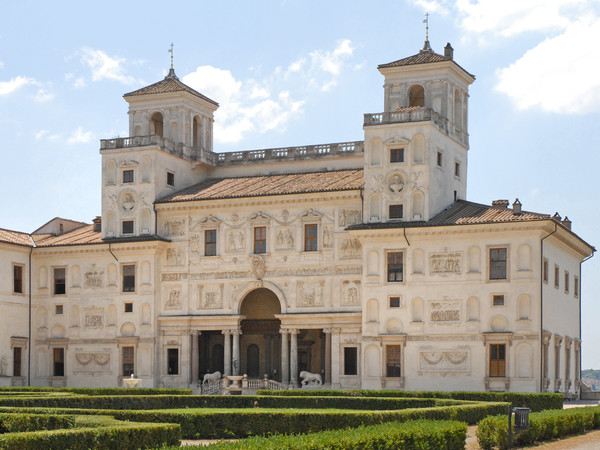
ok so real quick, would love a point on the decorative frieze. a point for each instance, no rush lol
(210, 296)
(446, 262)
(444, 361)
(310, 293)
(348, 217)
(284, 239)
(445, 311)
(351, 248)
(93, 318)
(92, 361)
(93, 277)
(172, 276)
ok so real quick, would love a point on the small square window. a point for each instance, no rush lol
(457, 169)
(396, 211)
(439, 159)
(394, 302)
(127, 227)
(128, 176)
(58, 309)
(128, 307)
(396, 155)
(17, 279)
(170, 179)
(498, 300)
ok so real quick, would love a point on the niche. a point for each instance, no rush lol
(417, 310)
(373, 311)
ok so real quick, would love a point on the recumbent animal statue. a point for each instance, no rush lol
(308, 377)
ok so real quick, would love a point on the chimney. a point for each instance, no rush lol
(517, 207)
(500, 204)
(566, 223)
(557, 217)
(449, 51)
(97, 223)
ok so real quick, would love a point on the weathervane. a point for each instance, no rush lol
(171, 52)
(426, 22)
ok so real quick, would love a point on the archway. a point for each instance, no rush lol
(260, 340)
(416, 96)
(156, 124)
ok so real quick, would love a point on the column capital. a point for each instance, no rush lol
(332, 330)
(226, 332)
(237, 332)
(195, 332)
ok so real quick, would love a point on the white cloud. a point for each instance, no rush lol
(78, 136)
(262, 105)
(105, 67)
(8, 87)
(560, 74)
(46, 135)
(78, 82)
(43, 96)
(1, 65)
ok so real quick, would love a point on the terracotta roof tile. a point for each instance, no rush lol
(170, 84)
(81, 235)
(15, 237)
(255, 186)
(419, 58)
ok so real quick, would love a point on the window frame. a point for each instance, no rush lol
(347, 361)
(128, 280)
(498, 300)
(397, 155)
(440, 159)
(55, 281)
(457, 169)
(575, 286)
(391, 300)
(17, 361)
(311, 242)
(18, 280)
(128, 307)
(497, 366)
(545, 270)
(170, 178)
(128, 176)
(128, 361)
(390, 265)
(396, 207)
(393, 361)
(566, 281)
(59, 309)
(556, 276)
(58, 366)
(128, 223)
(210, 246)
(497, 264)
(260, 240)
(173, 351)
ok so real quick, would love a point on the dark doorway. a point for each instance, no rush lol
(253, 358)
(217, 358)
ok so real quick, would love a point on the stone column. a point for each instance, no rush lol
(267, 354)
(285, 360)
(294, 358)
(235, 361)
(335, 358)
(227, 352)
(327, 332)
(194, 357)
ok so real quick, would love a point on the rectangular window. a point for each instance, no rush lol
(128, 366)
(392, 358)
(556, 277)
(566, 282)
(128, 176)
(394, 302)
(59, 362)
(498, 300)
(127, 227)
(396, 211)
(545, 271)
(170, 179)
(576, 286)
(350, 361)
(58, 309)
(497, 360)
(397, 155)
(457, 169)
(173, 361)
(129, 278)
(260, 239)
(17, 353)
(17, 279)
(310, 237)
(439, 159)
(498, 264)
(210, 243)
(395, 266)
(128, 307)
(60, 281)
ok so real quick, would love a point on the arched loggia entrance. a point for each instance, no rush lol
(260, 338)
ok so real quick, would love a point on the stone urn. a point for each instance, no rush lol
(132, 382)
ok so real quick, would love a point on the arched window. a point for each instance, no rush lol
(416, 96)
(156, 124)
(196, 132)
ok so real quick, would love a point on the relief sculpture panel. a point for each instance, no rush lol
(351, 292)
(284, 239)
(210, 296)
(444, 361)
(173, 298)
(310, 293)
(93, 277)
(445, 312)
(446, 262)
(93, 318)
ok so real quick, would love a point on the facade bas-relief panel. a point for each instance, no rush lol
(310, 293)
(445, 312)
(445, 263)
(444, 361)
(172, 298)
(284, 239)
(93, 317)
(91, 361)
(210, 296)
(94, 277)
(350, 292)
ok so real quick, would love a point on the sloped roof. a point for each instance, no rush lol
(423, 57)
(81, 235)
(171, 83)
(15, 237)
(255, 186)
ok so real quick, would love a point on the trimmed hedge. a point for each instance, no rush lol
(98, 391)
(535, 402)
(130, 436)
(19, 422)
(543, 426)
(422, 434)
(220, 401)
(250, 422)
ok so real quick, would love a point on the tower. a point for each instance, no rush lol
(169, 147)
(416, 150)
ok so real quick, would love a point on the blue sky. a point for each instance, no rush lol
(303, 72)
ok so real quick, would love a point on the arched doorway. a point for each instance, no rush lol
(260, 340)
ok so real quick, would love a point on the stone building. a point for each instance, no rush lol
(360, 261)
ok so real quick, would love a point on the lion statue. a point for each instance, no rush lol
(308, 377)
(215, 376)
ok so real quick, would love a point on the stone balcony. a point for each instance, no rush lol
(418, 115)
(200, 155)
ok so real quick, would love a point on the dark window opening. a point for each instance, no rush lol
(396, 211)
(127, 227)
(350, 361)
(128, 307)
(173, 361)
(439, 159)
(58, 309)
(394, 302)
(498, 300)
(170, 179)
(260, 240)
(59, 362)
(128, 361)
(498, 264)
(393, 361)
(59, 281)
(397, 155)
(18, 279)
(210, 243)
(395, 266)
(17, 361)
(129, 278)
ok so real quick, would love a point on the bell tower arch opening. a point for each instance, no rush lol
(416, 95)
(156, 124)
(260, 340)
